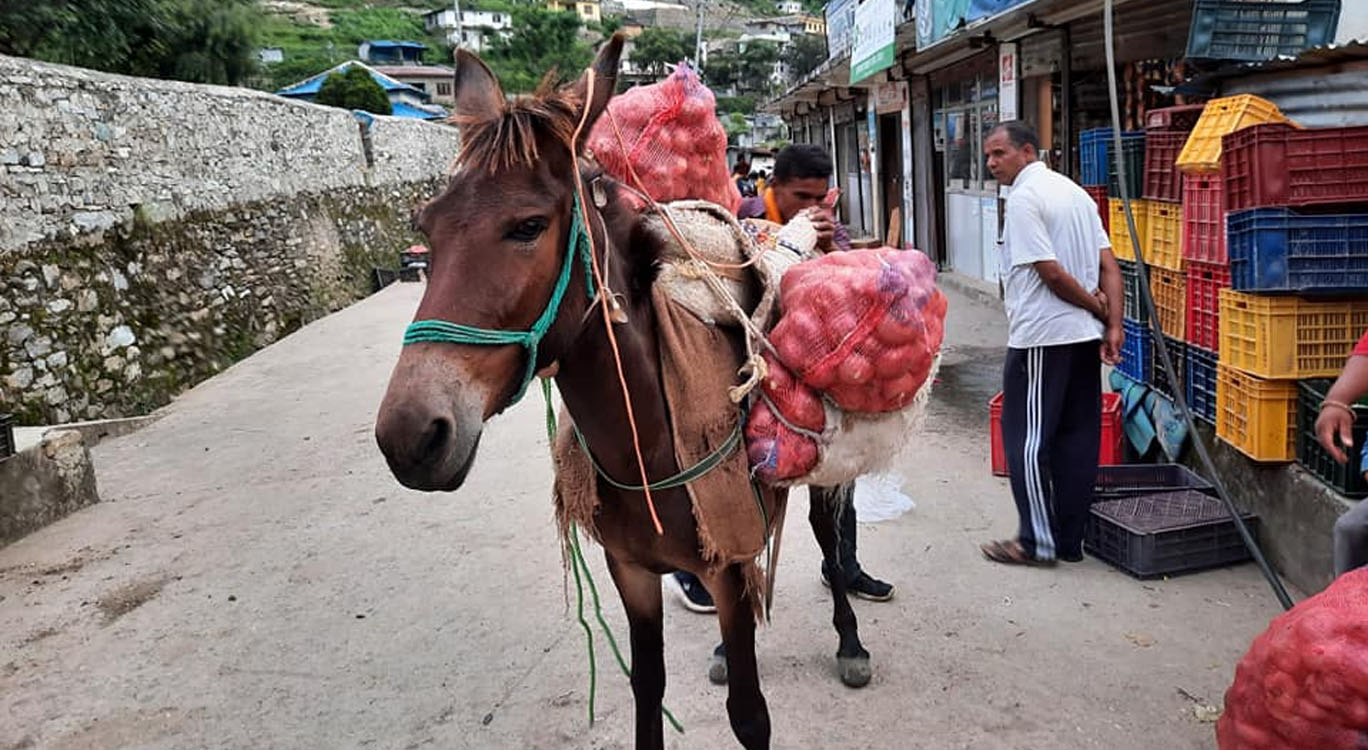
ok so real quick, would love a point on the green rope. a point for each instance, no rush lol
(578, 563)
(440, 331)
(709, 462)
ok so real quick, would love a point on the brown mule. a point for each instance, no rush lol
(499, 238)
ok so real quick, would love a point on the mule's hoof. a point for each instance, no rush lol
(717, 670)
(855, 670)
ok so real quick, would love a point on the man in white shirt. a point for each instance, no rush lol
(1064, 305)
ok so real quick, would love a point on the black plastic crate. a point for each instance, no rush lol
(410, 274)
(1134, 304)
(6, 436)
(383, 277)
(1177, 353)
(1133, 151)
(1130, 480)
(1201, 383)
(1166, 533)
(1251, 30)
(1347, 479)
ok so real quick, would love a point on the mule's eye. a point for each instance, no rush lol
(528, 230)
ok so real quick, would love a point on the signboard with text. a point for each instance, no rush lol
(1007, 82)
(840, 23)
(876, 24)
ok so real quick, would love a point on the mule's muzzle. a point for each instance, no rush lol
(428, 429)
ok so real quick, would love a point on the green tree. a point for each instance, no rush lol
(807, 52)
(354, 89)
(204, 41)
(541, 41)
(655, 48)
(755, 67)
(721, 69)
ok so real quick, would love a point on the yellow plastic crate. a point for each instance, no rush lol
(1164, 235)
(1120, 235)
(1287, 337)
(1169, 289)
(1202, 152)
(1256, 416)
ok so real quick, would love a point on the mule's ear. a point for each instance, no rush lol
(478, 94)
(605, 69)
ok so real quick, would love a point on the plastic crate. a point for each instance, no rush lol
(1256, 31)
(1204, 220)
(1346, 479)
(7, 444)
(1202, 152)
(1258, 417)
(383, 277)
(1109, 450)
(1204, 284)
(1169, 289)
(1093, 147)
(1163, 181)
(1134, 304)
(1135, 353)
(1280, 165)
(1288, 337)
(1182, 117)
(1133, 151)
(1129, 480)
(1160, 380)
(1099, 195)
(1278, 250)
(1163, 236)
(1166, 533)
(1201, 383)
(1120, 233)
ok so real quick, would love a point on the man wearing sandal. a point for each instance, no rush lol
(1064, 304)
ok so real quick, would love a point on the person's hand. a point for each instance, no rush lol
(1334, 421)
(1112, 341)
(1103, 305)
(825, 225)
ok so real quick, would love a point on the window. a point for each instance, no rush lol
(443, 89)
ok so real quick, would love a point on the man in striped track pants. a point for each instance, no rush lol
(1064, 295)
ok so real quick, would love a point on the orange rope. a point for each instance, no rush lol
(607, 316)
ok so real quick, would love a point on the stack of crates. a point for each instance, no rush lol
(1203, 222)
(1092, 151)
(1296, 204)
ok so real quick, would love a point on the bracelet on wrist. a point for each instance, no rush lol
(1339, 405)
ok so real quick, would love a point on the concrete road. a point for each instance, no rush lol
(256, 579)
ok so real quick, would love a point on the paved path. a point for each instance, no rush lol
(256, 579)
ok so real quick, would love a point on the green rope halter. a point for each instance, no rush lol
(440, 331)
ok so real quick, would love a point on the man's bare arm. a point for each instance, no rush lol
(1067, 288)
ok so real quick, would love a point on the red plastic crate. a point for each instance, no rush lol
(1109, 452)
(1279, 165)
(1183, 117)
(1163, 181)
(1204, 284)
(1204, 224)
(1099, 196)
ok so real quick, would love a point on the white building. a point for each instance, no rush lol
(476, 29)
(790, 6)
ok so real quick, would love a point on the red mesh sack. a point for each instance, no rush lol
(778, 452)
(671, 137)
(863, 327)
(1304, 682)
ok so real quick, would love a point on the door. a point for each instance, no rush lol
(891, 168)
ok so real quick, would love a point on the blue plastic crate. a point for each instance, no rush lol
(1279, 250)
(1136, 356)
(1251, 30)
(1092, 156)
(1201, 383)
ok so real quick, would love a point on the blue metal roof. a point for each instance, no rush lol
(403, 109)
(388, 43)
(309, 86)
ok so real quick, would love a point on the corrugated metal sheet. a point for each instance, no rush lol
(1315, 97)
(1156, 29)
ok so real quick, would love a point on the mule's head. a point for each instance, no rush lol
(499, 239)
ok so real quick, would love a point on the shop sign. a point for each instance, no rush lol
(1007, 81)
(890, 97)
(876, 22)
(840, 22)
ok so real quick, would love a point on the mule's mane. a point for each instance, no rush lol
(510, 138)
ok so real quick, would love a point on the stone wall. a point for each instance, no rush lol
(154, 232)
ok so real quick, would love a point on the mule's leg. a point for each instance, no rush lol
(852, 659)
(640, 591)
(736, 615)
